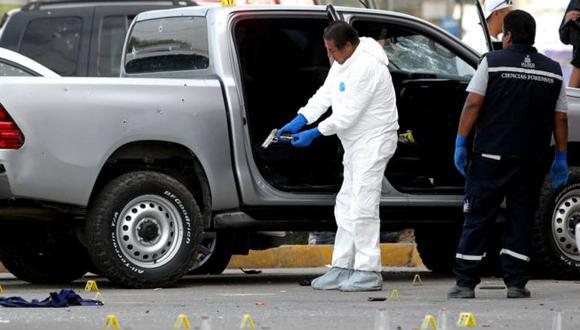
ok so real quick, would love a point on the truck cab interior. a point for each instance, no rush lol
(283, 62)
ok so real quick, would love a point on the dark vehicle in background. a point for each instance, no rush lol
(75, 37)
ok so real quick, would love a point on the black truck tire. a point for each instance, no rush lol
(143, 230)
(437, 247)
(556, 254)
(214, 254)
(45, 255)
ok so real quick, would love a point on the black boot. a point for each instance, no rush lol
(458, 292)
(515, 292)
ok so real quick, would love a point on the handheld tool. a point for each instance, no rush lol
(272, 138)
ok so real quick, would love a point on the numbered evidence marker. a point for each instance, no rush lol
(417, 280)
(228, 3)
(182, 322)
(429, 323)
(91, 286)
(99, 297)
(394, 295)
(466, 320)
(247, 321)
(1, 289)
(112, 323)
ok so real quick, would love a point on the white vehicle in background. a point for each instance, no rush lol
(13, 64)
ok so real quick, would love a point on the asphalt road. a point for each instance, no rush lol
(275, 300)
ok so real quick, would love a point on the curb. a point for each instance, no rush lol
(304, 256)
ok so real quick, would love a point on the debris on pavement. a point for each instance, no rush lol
(250, 271)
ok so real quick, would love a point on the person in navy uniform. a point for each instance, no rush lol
(516, 102)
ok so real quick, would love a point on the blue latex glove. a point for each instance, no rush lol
(559, 170)
(460, 157)
(294, 126)
(303, 139)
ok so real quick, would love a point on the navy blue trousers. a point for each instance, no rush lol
(488, 182)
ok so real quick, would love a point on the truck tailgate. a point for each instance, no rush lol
(72, 125)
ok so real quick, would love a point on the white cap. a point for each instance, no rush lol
(491, 6)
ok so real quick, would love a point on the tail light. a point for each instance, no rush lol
(10, 135)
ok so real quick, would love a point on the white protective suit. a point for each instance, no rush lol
(364, 117)
(476, 40)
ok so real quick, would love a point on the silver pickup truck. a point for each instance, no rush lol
(148, 176)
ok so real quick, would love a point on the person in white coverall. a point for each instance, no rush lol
(364, 117)
(494, 12)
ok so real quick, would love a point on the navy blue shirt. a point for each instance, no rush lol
(521, 96)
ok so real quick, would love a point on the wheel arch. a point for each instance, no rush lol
(169, 158)
(548, 260)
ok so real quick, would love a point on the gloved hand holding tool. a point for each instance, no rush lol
(294, 126)
(460, 157)
(284, 134)
(305, 138)
(559, 170)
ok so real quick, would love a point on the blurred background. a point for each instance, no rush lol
(455, 16)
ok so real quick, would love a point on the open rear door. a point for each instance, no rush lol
(333, 14)
(483, 24)
(490, 44)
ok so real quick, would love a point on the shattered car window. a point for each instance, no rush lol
(168, 44)
(419, 54)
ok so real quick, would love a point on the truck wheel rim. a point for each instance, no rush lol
(566, 216)
(206, 249)
(149, 231)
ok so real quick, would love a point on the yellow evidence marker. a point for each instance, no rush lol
(429, 323)
(112, 322)
(99, 297)
(466, 320)
(228, 3)
(91, 286)
(1, 289)
(394, 295)
(248, 321)
(182, 322)
(408, 135)
(417, 280)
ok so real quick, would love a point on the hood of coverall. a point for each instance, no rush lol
(370, 47)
